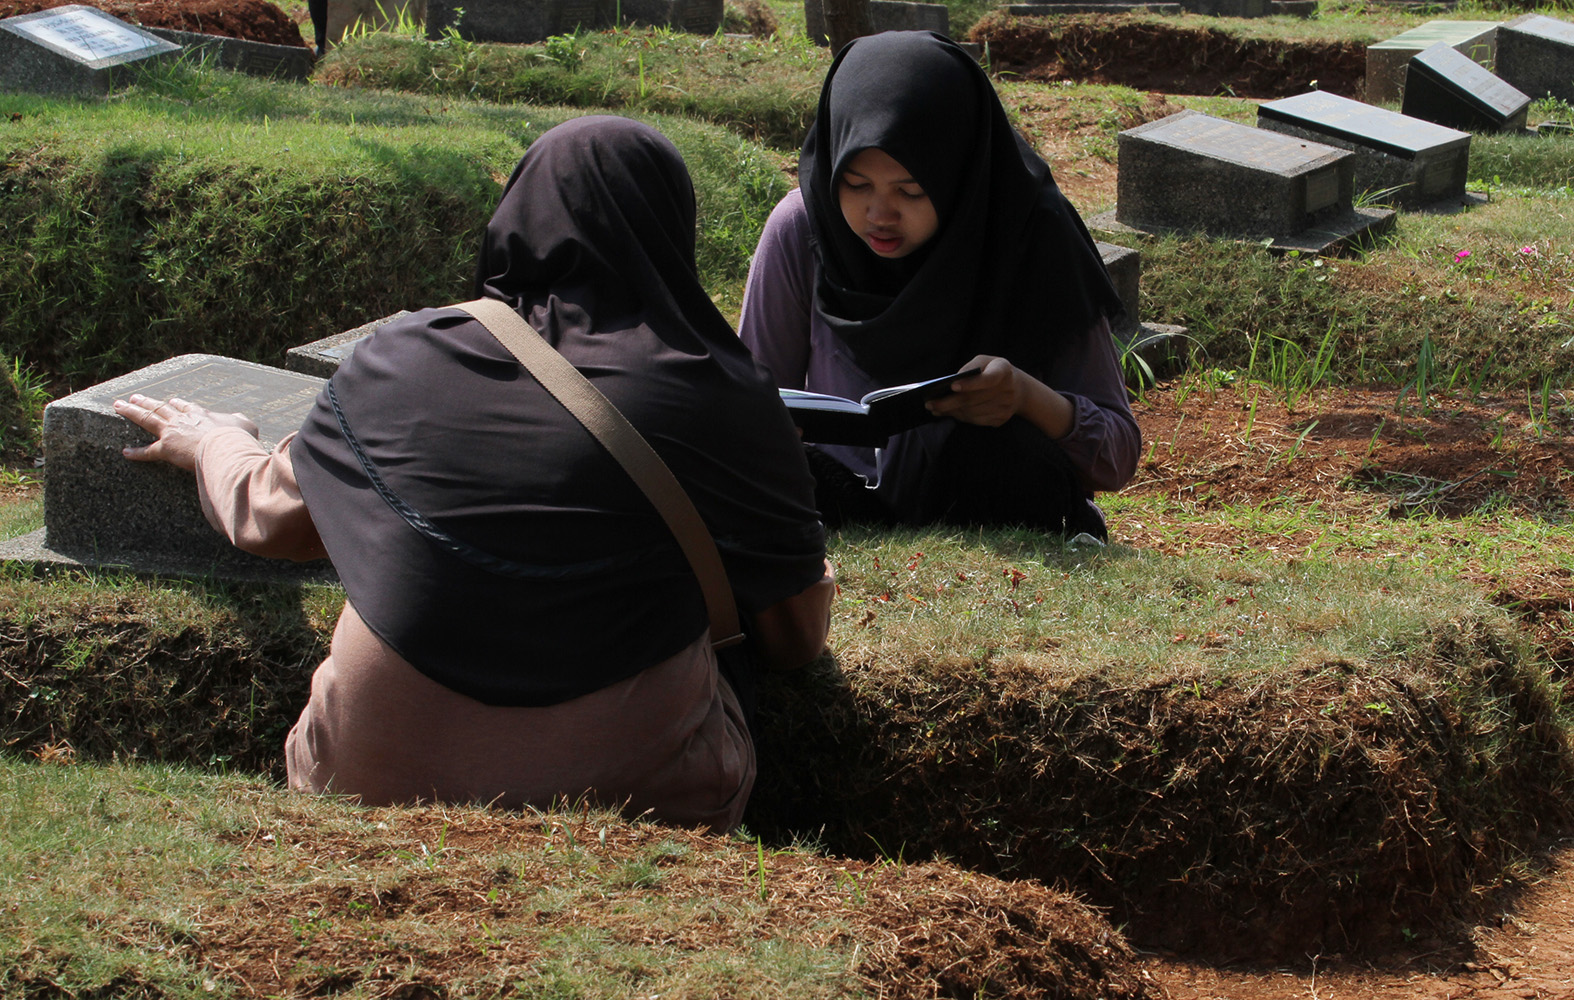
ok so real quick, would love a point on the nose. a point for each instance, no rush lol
(882, 209)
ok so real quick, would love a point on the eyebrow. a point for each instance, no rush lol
(850, 172)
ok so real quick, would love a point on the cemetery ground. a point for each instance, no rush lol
(1300, 731)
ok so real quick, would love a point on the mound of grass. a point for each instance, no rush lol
(1237, 757)
(204, 211)
(157, 882)
(764, 89)
(1313, 751)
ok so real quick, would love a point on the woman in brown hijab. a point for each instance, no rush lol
(521, 626)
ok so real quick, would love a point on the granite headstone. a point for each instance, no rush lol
(74, 50)
(323, 357)
(281, 62)
(887, 15)
(1451, 89)
(1535, 54)
(1194, 173)
(1386, 60)
(1401, 160)
(103, 509)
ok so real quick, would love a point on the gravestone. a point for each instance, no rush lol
(1386, 61)
(1535, 54)
(1158, 345)
(523, 21)
(1401, 160)
(102, 509)
(1193, 173)
(323, 357)
(74, 50)
(1451, 89)
(281, 62)
(1092, 7)
(887, 15)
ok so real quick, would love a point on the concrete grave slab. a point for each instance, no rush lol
(1535, 54)
(101, 509)
(1158, 345)
(74, 50)
(1407, 161)
(1386, 61)
(523, 21)
(281, 62)
(1448, 88)
(887, 15)
(1193, 173)
(323, 357)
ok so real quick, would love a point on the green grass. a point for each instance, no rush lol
(204, 211)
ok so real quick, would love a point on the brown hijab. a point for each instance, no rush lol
(478, 528)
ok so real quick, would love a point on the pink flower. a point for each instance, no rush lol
(1461, 255)
(1528, 251)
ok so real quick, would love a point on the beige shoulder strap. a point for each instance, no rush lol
(632, 451)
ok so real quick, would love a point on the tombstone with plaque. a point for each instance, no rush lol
(323, 357)
(281, 62)
(1156, 344)
(886, 15)
(1193, 173)
(1451, 89)
(74, 50)
(101, 509)
(523, 21)
(1535, 54)
(1405, 161)
(1386, 61)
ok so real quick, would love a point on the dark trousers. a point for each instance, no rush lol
(969, 475)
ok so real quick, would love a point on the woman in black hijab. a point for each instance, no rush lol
(521, 625)
(927, 237)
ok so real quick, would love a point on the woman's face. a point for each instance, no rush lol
(884, 205)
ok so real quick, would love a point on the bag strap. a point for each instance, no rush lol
(586, 403)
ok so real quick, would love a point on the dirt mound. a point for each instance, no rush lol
(1169, 57)
(251, 20)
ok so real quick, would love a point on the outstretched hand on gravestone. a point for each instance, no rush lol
(179, 427)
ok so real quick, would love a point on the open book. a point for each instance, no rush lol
(868, 421)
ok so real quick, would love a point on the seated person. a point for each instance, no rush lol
(927, 237)
(521, 625)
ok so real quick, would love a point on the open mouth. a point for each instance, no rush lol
(884, 244)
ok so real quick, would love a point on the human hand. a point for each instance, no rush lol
(178, 426)
(989, 398)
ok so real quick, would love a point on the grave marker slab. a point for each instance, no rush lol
(1195, 173)
(102, 509)
(281, 62)
(1386, 61)
(887, 15)
(1535, 54)
(1451, 89)
(323, 357)
(523, 21)
(1157, 344)
(1425, 162)
(74, 50)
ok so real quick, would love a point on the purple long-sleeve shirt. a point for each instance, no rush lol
(780, 326)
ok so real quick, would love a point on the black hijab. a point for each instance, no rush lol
(478, 528)
(1011, 264)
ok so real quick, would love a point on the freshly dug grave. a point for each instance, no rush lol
(1335, 809)
(251, 20)
(1168, 56)
(293, 895)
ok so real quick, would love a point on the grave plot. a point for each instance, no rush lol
(1448, 88)
(1193, 173)
(74, 50)
(1398, 160)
